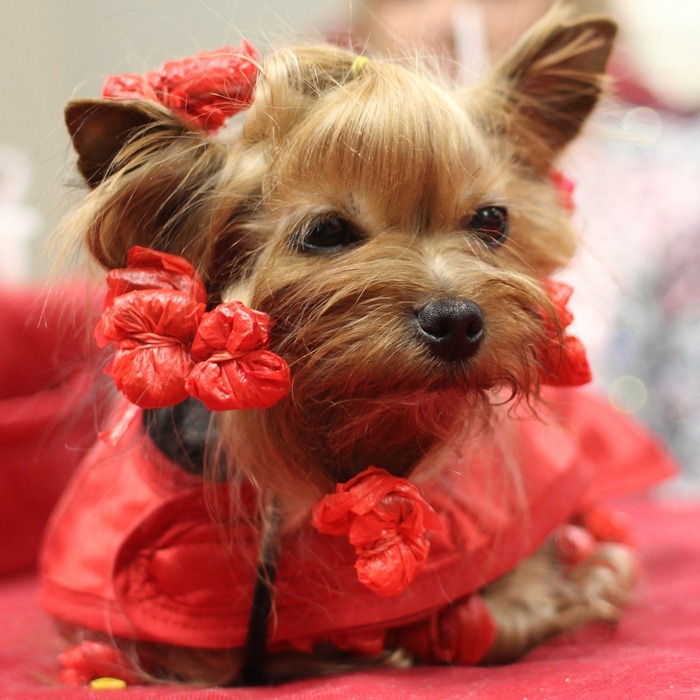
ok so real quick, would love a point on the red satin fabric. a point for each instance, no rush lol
(133, 549)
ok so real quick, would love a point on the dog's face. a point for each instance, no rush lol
(396, 232)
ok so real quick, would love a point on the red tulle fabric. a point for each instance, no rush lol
(204, 90)
(562, 357)
(169, 348)
(385, 519)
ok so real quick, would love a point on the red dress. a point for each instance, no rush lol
(136, 550)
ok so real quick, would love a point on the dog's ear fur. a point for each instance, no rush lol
(100, 129)
(149, 172)
(550, 84)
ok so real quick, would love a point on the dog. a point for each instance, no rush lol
(386, 241)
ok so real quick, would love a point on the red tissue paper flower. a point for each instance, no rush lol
(152, 312)
(385, 518)
(562, 357)
(578, 539)
(91, 659)
(233, 369)
(151, 269)
(169, 348)
(204, 90)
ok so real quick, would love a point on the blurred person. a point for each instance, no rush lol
(462, 36)
(642, 214)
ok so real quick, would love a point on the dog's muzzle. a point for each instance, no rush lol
(452, 328)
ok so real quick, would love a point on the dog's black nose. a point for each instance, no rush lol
(452, 328)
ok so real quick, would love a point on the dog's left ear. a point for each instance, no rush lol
(551, 82)
(150, 174)
(99, 130)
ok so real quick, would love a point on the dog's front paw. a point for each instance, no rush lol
(545, 597)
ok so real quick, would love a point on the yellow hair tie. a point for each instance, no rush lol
(107, 684)
(357, 65)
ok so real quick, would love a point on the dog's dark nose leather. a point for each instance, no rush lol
(452, 328)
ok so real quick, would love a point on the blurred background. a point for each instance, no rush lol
(52, 51)
(637, 171)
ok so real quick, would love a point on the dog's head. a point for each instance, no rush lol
(397, 231)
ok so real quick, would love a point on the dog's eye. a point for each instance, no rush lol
(490, 224)
(329, 236)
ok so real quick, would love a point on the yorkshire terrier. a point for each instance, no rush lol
(358, 271)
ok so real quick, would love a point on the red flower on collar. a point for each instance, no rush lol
(562, 357)
(169, 348)
(385, 519)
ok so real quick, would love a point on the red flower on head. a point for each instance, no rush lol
(204, 90)
(385, 519)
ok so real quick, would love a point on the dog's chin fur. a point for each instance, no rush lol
(405, 164)
(321, 445)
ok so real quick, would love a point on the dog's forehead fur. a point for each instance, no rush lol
(390, 145)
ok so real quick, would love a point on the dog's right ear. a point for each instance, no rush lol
(100, 129)
(541, 93)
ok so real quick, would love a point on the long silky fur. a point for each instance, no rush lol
(407, 161)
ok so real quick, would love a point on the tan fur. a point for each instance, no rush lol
(406, 162)
(541, 598)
